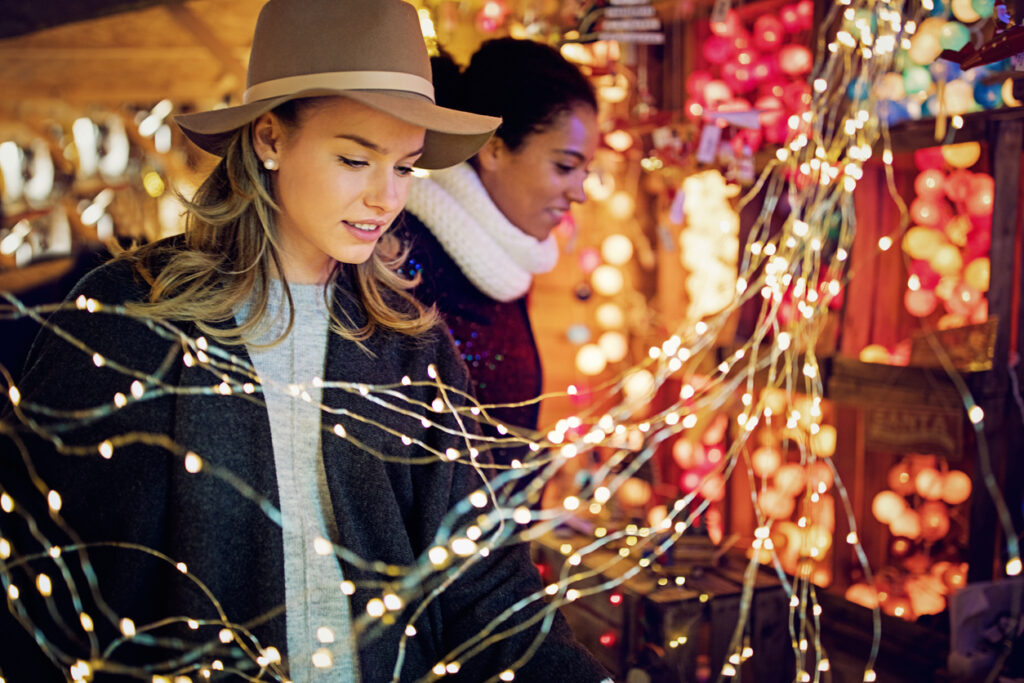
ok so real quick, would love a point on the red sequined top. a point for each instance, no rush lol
(494, 337)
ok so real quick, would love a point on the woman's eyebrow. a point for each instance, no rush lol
(373, 146)
(571, 152)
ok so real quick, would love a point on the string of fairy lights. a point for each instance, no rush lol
(816, 172)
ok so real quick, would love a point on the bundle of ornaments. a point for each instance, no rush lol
(923, 509)
(948, 245)
(930, 80)
(761, 65)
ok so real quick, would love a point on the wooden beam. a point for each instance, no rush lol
(184, 78)
(114, 93)
(1004, 149)
(198, 28)
(992, 394)
(45, 56)
(28, 17)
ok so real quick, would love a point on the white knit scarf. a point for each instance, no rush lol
(496, 256)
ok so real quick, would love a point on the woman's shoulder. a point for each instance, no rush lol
(122, 278)
(116, 281)
(442, 281)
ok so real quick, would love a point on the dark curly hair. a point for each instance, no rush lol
(527, 84)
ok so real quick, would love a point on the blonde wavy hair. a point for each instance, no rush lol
(228, 257)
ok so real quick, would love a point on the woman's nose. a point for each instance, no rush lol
(575, 192)
(383, 192)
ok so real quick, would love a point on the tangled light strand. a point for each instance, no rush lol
(817, 172)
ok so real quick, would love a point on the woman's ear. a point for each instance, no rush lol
(267, 134)
(489, 156)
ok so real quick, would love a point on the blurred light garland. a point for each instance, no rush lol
(817, 171)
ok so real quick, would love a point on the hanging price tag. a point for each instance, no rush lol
(719, 11)
(668, 243)
(676, 213)
(707, 148)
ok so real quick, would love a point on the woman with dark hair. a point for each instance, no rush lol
(244, 453)
(479, 231)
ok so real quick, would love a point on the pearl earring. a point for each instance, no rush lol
(270, 164)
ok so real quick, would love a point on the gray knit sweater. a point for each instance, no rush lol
(316, 611)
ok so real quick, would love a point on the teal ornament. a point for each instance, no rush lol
(858, 89)
(954, 36)
(985, 8)
(578, 334)
(989, 95)
(916, 79)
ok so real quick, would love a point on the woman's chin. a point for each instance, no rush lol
(541, 229)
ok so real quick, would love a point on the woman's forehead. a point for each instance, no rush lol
(346, 119)
(572, 130)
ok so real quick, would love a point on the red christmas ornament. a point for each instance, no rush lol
(742, 40)
(963, 300)
(805, 12)
(491, 16)
(795, 60)
(765, 68)
(746, 142)
(929, 157)
(979, 240)
(797, 96)
(958, 185)
(768, 33)
(589, 259)
(925, 275)
(772, 113)
(694, 109)
(920, 303)
(924, 211)
(716, 93)
(696, 81)
(728, 27)
(981, 198)
(790, 18)
(717, 50)
(930, 183)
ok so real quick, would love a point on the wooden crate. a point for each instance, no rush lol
(670, 630)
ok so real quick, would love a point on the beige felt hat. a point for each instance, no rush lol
(369, 50)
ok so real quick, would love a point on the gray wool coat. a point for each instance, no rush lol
(143, 501)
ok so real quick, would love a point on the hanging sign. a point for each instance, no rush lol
(629, 12)
(645, 38)
(707, 148)
(720, 10)
(631, 25)
(631, 21)
(910, 430)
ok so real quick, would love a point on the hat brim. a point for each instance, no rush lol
(452, 136)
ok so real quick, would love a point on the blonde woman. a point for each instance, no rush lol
(196, 473)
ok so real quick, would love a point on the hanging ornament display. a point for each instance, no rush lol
(710, 243)
(754, 76)
(932, 58)
(925, 524)
(948, 248)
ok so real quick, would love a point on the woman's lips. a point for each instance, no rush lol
(362, 231)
